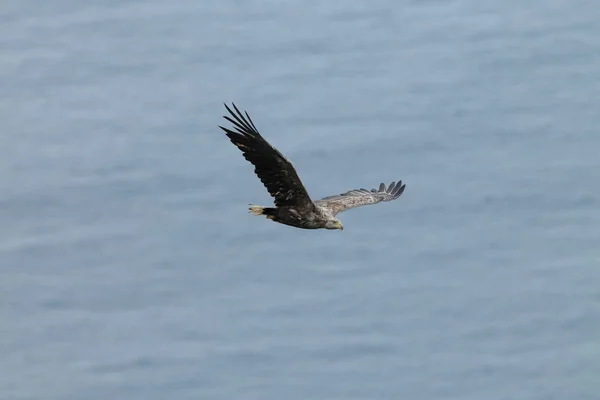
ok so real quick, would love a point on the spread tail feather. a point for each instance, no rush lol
(260, 210)
(256, 210)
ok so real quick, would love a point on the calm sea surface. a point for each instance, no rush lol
(131, 269)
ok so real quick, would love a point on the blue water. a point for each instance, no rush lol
(131, 269)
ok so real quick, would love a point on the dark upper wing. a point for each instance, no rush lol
(274, 170)
(362, 197)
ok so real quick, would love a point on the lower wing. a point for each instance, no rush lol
(361, 197)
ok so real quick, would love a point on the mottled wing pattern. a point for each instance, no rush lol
(362, 197)
(272, 168)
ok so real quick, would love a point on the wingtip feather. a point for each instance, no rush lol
(399, 191)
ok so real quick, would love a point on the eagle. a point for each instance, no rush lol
(293, 205)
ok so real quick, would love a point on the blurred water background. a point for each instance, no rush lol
(130, 268)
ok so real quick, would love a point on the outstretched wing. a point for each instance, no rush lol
(361, 197)
(273, 169)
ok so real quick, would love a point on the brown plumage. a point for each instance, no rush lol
(294, 206)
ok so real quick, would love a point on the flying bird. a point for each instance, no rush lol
(293, 205)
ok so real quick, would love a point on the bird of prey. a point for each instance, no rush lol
(293, 206)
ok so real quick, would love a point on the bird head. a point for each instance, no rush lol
(334, 224)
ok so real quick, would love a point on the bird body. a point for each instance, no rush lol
(293, 206)
(318, 217)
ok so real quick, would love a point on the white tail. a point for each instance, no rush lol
(256, 210)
